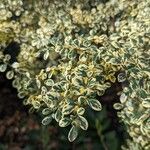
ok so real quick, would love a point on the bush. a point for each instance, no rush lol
(67, 53)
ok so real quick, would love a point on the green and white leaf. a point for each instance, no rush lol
(47, 120)
(118, 106)
(10, 74)
(36, 104)
(58, 115)
(73, 133)
(46, 111)
(80, 111)
(64, 122)
(94, 104)
(49, 82)
(82, 123)
(3, 67)
(67, 109)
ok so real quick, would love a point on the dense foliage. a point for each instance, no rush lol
(69, 52)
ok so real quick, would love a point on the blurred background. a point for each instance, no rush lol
(21, 129)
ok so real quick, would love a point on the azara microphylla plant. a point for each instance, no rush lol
(69, 53)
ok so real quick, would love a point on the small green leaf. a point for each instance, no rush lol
(43, 76)
(67, 109)
(72, 54)
(46, 111)
(94, 104)
(73, 133)
(83, 123)
(121, 77)
(48, 101)
(47, 120)
(118, 106)
(81, 100)
(64, 122)
(3, 67)
(143, 93)
(46, 55)
(36, 104)
(38, 83)
(43, 90)
(146, 104)
(123, 98)
(86, 43)
(9, 74)
(58, 115)
(80, 111)
(21, 94)
(49, 82)
(58, 88)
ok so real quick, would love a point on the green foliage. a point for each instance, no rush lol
(70, 55)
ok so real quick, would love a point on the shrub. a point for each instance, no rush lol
(70, 51)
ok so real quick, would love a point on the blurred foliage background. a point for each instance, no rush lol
(22, 130)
